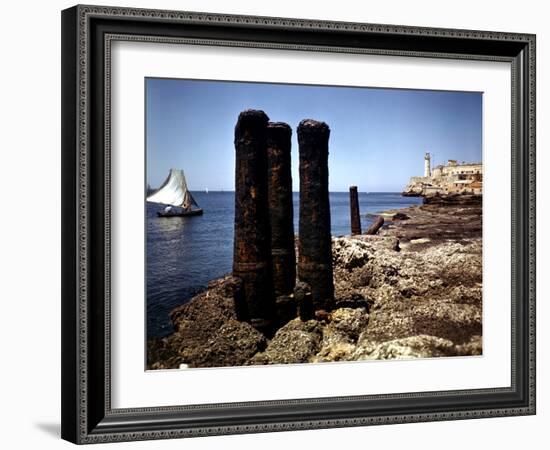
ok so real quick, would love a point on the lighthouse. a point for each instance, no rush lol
(427, 171)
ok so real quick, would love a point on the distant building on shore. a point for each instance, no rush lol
(450, 178)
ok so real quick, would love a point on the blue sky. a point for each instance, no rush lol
(378, 136)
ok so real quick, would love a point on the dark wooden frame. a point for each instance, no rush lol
(87, 31)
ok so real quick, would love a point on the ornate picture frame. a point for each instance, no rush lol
(87, 35)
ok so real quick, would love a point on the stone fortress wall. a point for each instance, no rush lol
(450, 178)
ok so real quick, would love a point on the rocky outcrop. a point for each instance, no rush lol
(341, 333)
(436, 224)
(452, 199)
(421, 346)
(400, 216)
(208, 333)
(416, 187)
(295, 342)
(414, 291)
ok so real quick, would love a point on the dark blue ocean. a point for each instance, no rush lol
(185, 253)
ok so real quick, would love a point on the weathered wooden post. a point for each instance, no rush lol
(315, 244)
(252, 240)
(281, 216)
(354, 210)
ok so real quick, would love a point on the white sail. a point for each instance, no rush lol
(173, 191)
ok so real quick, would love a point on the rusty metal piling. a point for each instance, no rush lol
(315, 244)
(252, 240)
(354, 211)
(281, 216)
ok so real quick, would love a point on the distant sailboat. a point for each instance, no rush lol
(206, 190)
(174, 194)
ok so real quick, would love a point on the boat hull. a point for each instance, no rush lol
(195, 212)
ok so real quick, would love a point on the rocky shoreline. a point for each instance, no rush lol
(411, 291)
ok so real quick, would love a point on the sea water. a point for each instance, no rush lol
(185, 253)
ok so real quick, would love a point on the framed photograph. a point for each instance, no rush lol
(280, 224)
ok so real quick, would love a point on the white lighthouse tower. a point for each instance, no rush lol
(427, 170)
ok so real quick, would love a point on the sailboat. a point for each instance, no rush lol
(174, 194)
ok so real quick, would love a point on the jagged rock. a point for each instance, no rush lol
(422, 346)
(430, 290)
(296, 342)
(473, 347)
(471, 295)
(226, 286)
(349, 253)
(400, 216)
(448, 320)
(379, 242)
(210, 309)
(341, 333)
(348, 322)
(346, 296)
(437, 223)
(207, 332)
(233, 344)
(161, 354)
(453, 199)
